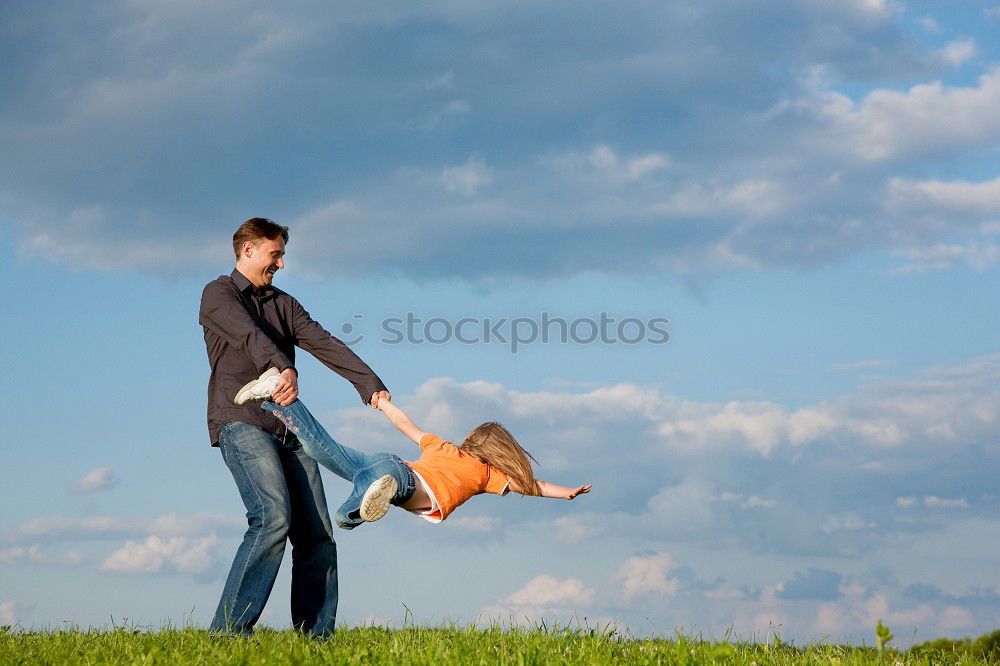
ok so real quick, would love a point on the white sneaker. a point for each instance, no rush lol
(260, 388)
(375, 503)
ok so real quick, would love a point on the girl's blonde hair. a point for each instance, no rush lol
(491, 443)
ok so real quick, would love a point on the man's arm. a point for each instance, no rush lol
(402, 422)
(223, 313)
(334, 354)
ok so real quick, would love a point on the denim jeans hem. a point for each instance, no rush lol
(392, 466)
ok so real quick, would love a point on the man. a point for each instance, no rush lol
(251, 326)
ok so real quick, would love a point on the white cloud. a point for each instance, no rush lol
(756, 198)
(449, 407)
(976, 255)
(688, 504)
(745, 178)
(944, 407)
(861, 613)
(467, 178)
(549, 591)
(542, 596)
(56, 527)
(112, 527)
(8, 613)
(765, 626)
(888, 414)
(889, 124)
(607, 161)
(881, 9)
(646, 575)
(865, 13)
(683, 507)
(958, 51)
(721, 470)
(476, 523)
(945, 503)
(754, 502)
(96, 479)
(956, 618)
(81, 243)
(172, 524)
(725, 594)
(20, 554)
(575, 529)
(761, 426)
(156, 554)
(444, 81)
(846, 521)
(962, 197)
(35, 554)
(861, 365)
(878, 431)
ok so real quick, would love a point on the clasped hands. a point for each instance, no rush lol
(287, 390)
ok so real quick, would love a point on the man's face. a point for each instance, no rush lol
(260, 261)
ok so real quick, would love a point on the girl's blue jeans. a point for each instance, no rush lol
(358, 467)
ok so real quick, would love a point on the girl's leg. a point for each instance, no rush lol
(348, 515)
(317, 442)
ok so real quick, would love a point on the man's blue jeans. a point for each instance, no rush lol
(358, 467)
(283, 493)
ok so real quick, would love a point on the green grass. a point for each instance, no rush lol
(402, 647)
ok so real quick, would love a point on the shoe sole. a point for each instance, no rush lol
(375, 503)
(244, 395)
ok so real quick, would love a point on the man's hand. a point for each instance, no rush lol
(288, 388)
(376, 397)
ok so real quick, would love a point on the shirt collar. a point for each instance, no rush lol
(240, 280)
(245, 286)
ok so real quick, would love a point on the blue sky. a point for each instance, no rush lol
(808, 192)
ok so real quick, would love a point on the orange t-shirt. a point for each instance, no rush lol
(454, 475)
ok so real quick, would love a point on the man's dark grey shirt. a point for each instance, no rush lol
(248, 331)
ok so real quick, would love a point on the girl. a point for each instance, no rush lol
(489, 461)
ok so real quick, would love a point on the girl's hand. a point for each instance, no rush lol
(378, 397)
(546, 489)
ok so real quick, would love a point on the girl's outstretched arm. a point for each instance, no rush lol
(546, 489)
(402, 422)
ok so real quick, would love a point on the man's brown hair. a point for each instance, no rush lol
(255, 229)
